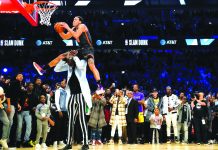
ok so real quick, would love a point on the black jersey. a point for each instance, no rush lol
(85, 40)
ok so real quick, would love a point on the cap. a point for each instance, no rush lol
(1, 91)
(168, 88)
(154, 90)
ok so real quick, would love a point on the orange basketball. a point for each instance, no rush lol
(58, 28)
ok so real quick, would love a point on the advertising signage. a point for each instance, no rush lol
(110, 43)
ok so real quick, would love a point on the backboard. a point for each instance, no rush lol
(16, 6)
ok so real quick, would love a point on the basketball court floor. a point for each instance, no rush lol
(145, 146)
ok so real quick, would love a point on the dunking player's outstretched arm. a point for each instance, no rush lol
(71, 33)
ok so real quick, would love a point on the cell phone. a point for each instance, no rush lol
(113, 84)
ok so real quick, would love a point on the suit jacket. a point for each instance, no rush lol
(80, 72)
(133, 111)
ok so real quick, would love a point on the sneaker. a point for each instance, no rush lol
(18, 144)
(4, 144)
(85, 147)
(168, 141)
(67, 147)
(211, 141)
(61, 144)
(31, 143)
(198, 143)
(99, 142)
(93, 143)
(38, 69)
(27, 144)
(55, 144)
(111, 142)
(177, 142)
(38, 146)
(120, 142)
(44, 146)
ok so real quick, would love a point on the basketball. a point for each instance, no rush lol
(58, 28)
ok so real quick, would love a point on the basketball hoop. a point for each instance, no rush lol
(45, 9)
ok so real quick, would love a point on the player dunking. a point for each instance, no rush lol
(80, 32)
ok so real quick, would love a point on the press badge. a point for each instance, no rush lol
(203, 121)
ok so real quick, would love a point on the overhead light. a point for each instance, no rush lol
(82, 3)
(182, 2)
(131, 2)
(5, 70)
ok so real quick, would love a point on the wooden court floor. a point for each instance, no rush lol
(144, 147)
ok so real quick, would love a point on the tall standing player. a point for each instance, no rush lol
(81, 33)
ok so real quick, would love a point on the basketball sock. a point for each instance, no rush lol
(99, 82)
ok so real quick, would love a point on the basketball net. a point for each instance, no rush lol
(45, 10)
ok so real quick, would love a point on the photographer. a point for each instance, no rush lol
(199, 107)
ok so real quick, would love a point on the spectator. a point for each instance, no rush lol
(16, 91)
(97, 118)
(156, 120)
(170, 106)
(118, 118)
(106, 130)
(215, 121)
(181, 95)
(42, 115)
(4, 120)
(184, 119)
(38, 89)
(154, 101)
(199, 107)
(25, 114)
(62, 116)
(210, 105)
(131, 118)
(140, 98)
